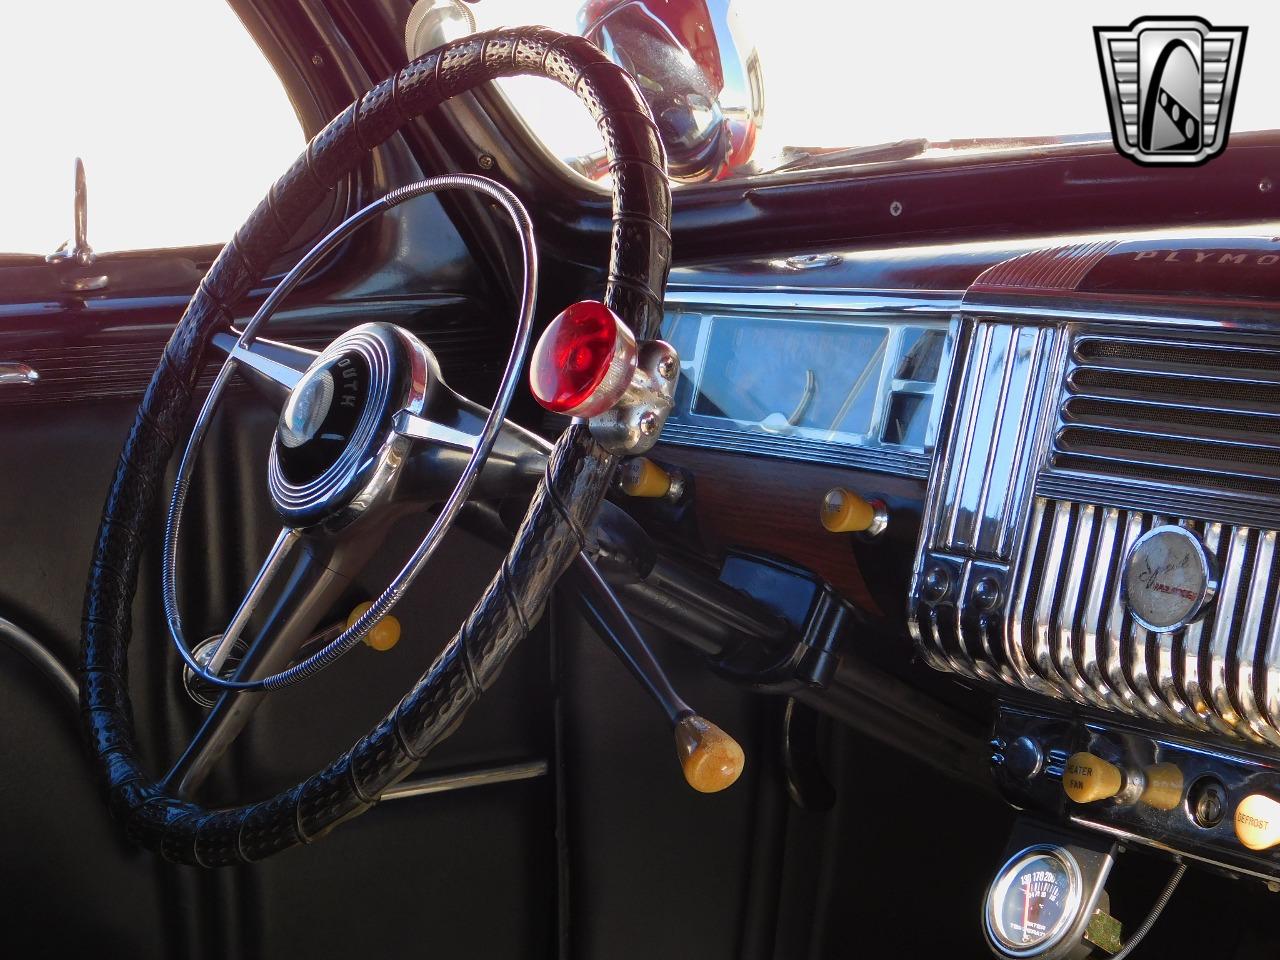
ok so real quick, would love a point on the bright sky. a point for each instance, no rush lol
(181, 122)
(183, 126)
(846, 73)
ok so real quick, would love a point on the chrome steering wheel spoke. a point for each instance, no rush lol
(297, 586)
(441, 444)
(273, 368)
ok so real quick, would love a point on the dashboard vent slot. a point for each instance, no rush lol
(1205, 416)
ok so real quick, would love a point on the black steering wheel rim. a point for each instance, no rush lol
(551, 535)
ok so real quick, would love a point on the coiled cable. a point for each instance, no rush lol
(1161, 902)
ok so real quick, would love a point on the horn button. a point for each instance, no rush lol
(335, 452)
(320, 418)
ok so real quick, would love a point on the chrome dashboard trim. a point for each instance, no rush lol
(1128, 493)
(1194, 638)
(1065, 632)
(1251, 634)
(888, 460)
(781, 298)
(1094, 627)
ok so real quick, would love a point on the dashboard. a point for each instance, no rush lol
(1094, 427)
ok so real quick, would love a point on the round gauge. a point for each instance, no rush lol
(1168, 579)
(1033, 901)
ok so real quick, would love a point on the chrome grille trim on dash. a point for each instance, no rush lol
(1065, 441)
(1157, 420)
(985, 470)
(1220, 674)
(980, 494)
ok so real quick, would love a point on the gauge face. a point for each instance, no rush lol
(1168, 579)
(1033, 900)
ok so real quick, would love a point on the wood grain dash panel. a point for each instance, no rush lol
(771, 506)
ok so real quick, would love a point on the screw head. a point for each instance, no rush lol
(649, 423)
(986, 593)
(485, 161)
(935, 584)
(317, 60)
(667, 367)
(895, 208)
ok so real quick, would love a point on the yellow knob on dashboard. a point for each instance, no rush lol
(844, 511)
(385, 633)
(641, 477)
(1163, 786)
(1087, 778)
(1258, 822)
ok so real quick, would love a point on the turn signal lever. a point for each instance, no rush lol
(711, 759)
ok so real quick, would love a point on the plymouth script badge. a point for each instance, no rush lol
(1168, 579)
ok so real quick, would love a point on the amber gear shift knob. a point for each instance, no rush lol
(711, 759)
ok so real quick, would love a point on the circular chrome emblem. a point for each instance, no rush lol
(1168, 579)
(306, 409)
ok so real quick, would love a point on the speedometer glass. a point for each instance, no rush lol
(784, 376)
(1033, 901)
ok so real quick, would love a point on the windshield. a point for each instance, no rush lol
(838, 74)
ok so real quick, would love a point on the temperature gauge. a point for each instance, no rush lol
(1034, 901)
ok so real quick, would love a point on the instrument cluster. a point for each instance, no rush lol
(826, 385)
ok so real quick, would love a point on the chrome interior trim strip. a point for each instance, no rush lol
(448, 782)
(1129, 493)
(1092, 625)
(1017, 478)
(1196, 642)
(844, 301)
(1271, 665)
(925, 645)
(958, 467)
(1020, 647)
(1046, 607)
(883, 459)
(13, 371)
(1116, 628)
(1136, 399)
(997, 440)
(1142, 643)
(952, 664)
(1223, 633)
(1250, 640)
(1170, 650)
(1064, 632)
(1129, 836)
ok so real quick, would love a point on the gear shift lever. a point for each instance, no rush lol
(711, 759)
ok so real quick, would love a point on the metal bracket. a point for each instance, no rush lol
(633, 424)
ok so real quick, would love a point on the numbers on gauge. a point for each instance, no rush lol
(1031, 901)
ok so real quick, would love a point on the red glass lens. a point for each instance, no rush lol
(573, 356)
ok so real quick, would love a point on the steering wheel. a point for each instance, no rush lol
(356, 419)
